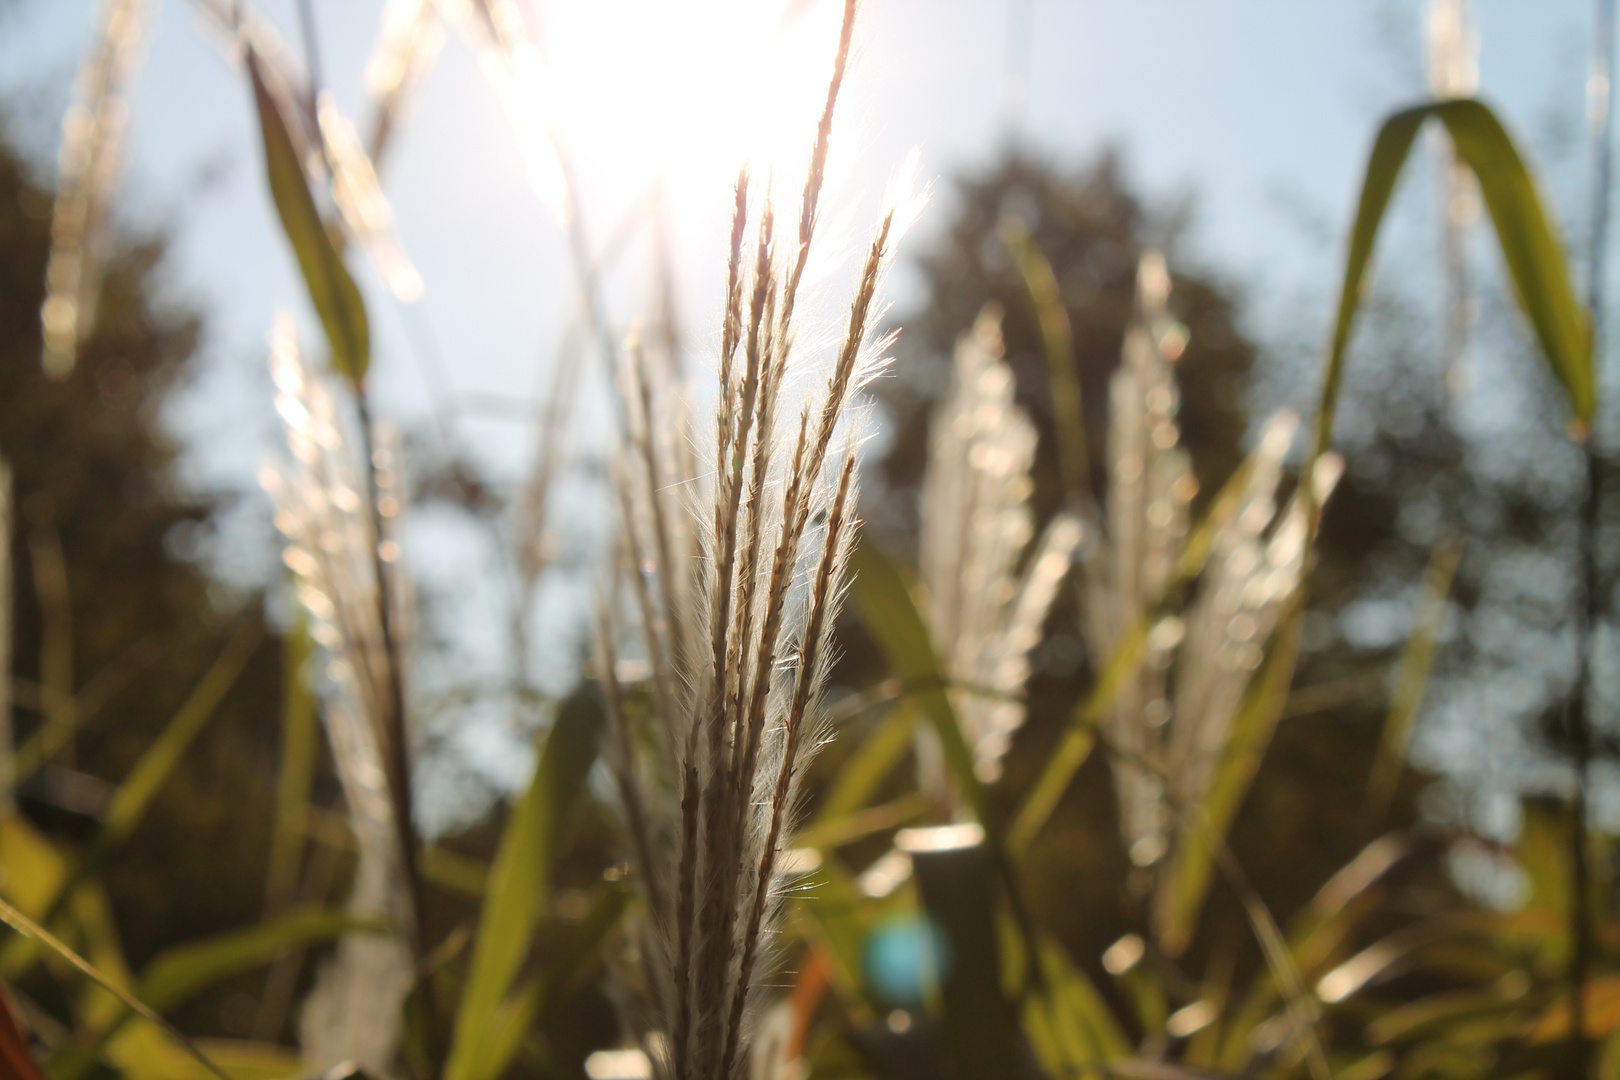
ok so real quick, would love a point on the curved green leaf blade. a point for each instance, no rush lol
(519, 887)
(27, 927)
(1191, 870)
(178, 974)
(333, 292)
(883, 595)
(1057, 340)
(1530, 248)
(538, 995)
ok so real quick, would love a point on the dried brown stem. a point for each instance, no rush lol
(803, 689)
(624, 767)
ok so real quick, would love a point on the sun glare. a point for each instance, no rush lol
(643, 91)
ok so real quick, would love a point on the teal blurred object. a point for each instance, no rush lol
(906, 958)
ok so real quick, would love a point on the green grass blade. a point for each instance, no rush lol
(1062, 373)
(130, 802)
(867, 767)
(333, 292)
(883, 596)
(1530, 248)
(1192, 866)
(178, 974)
(300, 746)
(1412, 674)
(1079, 1007)
(830, 914)
(27, 927)
(833, 832)
(519, 887)
(538, 995)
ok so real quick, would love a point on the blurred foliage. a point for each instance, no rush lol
(94, 468)
(1337, 942)
(1303, 820)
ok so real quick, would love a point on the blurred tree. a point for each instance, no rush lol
(111, 603)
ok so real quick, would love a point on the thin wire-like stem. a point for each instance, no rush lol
(624, 767)
(394, 732)
(1589, 609)
(22, 924)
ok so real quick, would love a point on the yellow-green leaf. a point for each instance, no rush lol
(519, 887)
(333, 292)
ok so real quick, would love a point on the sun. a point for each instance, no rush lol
(639, 92)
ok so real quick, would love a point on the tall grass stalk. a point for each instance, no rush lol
(87, 164)
(986, 602)
(341, 570)
(740, 650)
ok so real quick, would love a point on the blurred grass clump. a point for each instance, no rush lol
(1097, 796)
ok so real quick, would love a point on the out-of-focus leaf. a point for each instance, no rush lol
(1348, 898)
(1079, 1009)
(176, 975)
(838, 831)
(1543, 852)
(1215, 997)
(129, 803)
(148, 1059)
(454, 870)
(252, 1060)
(830, 913)
(1601, 1012)
(1159, 1070)
(32, 873)
(867, 767)
(519, 888)
(31, 870)
(958, 891)
(135, 794)
(565, 971)
(336, 298)
(1530, 248)
(1057, 339)
(22, 924)
(1412, 676)
(883, 596)
(300, 742)
(1192, 865)
(1409, 1022)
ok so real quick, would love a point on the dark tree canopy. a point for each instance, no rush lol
(94, 477)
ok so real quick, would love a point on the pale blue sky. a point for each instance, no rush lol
(1250, 106)
(1261, 109)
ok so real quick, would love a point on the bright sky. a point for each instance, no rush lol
(1250, 106)
(1262, 109)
